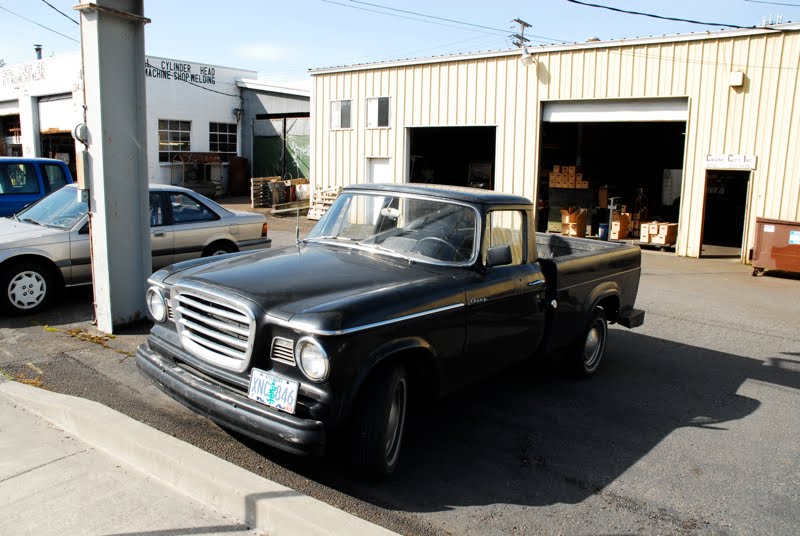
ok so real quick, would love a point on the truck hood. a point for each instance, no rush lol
(15, 233)
(326, 286)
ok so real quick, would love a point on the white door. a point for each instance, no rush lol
(379, 170)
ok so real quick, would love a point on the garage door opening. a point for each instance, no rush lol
(724, 213)
(457, 156)
(61, 146)
(638, 162)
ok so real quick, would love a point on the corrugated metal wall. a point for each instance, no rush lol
(754, 119)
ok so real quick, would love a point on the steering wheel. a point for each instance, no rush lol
(450, 247)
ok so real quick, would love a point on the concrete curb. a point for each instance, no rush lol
(227, 488)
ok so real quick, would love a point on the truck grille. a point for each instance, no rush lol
(283, 351)
(214, 329)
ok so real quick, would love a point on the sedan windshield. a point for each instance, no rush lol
(420, 229)
(60, 209)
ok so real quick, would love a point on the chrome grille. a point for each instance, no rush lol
(282, 351)
(214, 329)
(170, 311)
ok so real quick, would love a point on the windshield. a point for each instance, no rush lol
(422, 229)
(60, 209)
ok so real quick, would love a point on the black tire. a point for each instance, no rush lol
(379, 423)
(587, 353)
(27, 287)
(219, 248)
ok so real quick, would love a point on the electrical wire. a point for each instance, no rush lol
(773, 3)
(651, 15)
(59, 11)
(40, 25)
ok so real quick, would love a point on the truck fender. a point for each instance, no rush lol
(608, 289)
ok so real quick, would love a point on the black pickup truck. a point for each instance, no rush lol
(400, 292)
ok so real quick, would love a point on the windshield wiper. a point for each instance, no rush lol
(330, 237)
(31, 220)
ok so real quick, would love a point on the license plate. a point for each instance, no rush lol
(272, 390)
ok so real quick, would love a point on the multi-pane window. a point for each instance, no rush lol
(222, 139)
(378, 112)
(173, 137)
(340, 114)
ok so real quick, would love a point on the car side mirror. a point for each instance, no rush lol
(498, 256)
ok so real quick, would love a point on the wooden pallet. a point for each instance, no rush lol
(260, 194)
(291, 207)
(322, 201)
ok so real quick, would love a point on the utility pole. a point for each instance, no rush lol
(519, 38)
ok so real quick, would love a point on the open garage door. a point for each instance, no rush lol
(631, 150)
(457, 156)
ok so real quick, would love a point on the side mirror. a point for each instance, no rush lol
(498, 256)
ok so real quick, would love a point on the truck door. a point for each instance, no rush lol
(505, 318)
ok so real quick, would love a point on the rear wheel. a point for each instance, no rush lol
(27, 287)
(588, 351)
(219, 248)
(379, 423)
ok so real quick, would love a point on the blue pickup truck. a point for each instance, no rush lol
(25, 180)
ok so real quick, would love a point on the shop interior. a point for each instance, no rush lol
(456, 156)
(624, 172)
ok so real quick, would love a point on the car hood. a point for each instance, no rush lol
(15, 233)
(327, 287)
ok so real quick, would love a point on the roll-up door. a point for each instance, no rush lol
(9, 107)
(57, 113)
(616, 110)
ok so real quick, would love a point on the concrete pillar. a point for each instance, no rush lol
(112, 34)
(29, 126)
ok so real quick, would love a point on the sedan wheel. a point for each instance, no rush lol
(28, 288)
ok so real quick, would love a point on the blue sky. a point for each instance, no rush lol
(283, 39)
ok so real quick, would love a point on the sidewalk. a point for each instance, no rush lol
(72, 466)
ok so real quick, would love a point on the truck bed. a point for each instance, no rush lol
(579, 273)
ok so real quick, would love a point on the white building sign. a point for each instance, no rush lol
(730, 161)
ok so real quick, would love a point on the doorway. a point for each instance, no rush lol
(454, 156)
(724, 213)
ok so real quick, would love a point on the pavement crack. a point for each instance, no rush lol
(30, 470)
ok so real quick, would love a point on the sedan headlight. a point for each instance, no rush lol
(156, 304)
(312, 359)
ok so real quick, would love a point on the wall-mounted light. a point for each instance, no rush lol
(237, 113)
(526, 58)
(736, 79)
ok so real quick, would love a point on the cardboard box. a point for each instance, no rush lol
(653, 228)
(579, 176)
(571, 170)
(618, 234)
(644, 233)
(602, 195)
(583, 185)
(573, 222)
(556, 169)
(571, 181)
(669, 236)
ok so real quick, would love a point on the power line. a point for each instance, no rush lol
(40, 25)
(61, 12)
(651, 15)
(451, 20)
(773, 3)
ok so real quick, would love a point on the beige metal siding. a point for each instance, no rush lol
(500, 91)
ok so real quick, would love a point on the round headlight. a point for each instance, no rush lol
(312, 359)
(157, 304)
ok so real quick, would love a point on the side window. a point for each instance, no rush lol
(186, 209)
(54, 177)
(506, 227)
(18, 179)
(156, 209)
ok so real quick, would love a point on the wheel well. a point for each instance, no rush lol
(610, 305)
(423, 379)
(44, 261)
(220, 242)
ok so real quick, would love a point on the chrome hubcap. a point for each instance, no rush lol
(219, 252)
(397, 415)
(27, 290)
(592, 347)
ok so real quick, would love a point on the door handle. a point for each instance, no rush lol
(159, 233)
(538, 283)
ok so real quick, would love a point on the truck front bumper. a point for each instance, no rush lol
(231, 409)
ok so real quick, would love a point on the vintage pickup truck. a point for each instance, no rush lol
(400, 292)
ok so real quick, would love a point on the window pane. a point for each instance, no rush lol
(54, 176)
(186, 125)
(336, 114)
(163, 124)
(505, 227)
(372, 113)
(186, 210)
(346, 114)
(383, 112)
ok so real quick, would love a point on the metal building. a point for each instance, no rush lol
(695, 128)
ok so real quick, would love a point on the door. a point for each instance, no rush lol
(505, 318)
(724, 213)
(80, 254)
(379, 170)
(191, 223)
(161, 235)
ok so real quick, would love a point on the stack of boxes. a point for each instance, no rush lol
(573, 222)
(620, 225)
(658, 233)
(567, 177)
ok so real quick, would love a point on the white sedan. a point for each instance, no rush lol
(46, 245)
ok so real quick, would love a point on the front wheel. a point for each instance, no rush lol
(27, 287)
(588, 351)
(219, 248)
(379, 423)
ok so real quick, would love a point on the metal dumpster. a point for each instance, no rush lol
(777, 246)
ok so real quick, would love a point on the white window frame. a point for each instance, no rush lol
(224, 155)
(336, 111)
(372, 115)
(168, 131)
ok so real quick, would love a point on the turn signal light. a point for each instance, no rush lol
(264, 228)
